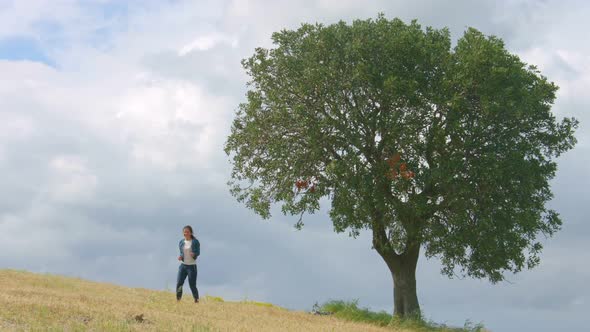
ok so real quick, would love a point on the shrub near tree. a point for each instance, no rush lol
(430, 147)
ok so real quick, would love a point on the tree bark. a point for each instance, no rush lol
(403, 272)
(405, 298)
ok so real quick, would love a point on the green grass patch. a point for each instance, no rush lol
(261, 304)
(352, 312)
(214, 298)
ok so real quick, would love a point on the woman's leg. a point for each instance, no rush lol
(180, 280)
(192, 281)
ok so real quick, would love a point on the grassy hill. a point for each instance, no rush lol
(30, 301)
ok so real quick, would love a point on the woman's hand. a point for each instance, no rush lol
(194, 255)
(180, 258)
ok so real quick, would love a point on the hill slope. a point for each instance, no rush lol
(32, 301)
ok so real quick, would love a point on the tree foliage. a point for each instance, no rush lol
(447, 148)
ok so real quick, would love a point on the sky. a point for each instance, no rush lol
(113, 115)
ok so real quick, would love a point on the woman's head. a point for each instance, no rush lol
(188, 232)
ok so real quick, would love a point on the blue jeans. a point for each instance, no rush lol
(184, 271)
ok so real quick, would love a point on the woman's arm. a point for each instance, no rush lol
(196, 248)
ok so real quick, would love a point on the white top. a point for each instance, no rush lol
(188, 254)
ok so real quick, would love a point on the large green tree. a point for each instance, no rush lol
(433, 147)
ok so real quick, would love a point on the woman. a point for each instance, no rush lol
(190, 248)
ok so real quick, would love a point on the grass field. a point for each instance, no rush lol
(30, 301)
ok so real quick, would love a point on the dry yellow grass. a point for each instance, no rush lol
(30, 301)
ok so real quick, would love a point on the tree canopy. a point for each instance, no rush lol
(449, 149)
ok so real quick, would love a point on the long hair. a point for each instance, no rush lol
(190, 229)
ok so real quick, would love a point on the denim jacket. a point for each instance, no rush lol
(195, 248)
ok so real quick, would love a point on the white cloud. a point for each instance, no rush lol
(19, 17)
(71, 181)
(207, 42)
(16, 126)
(171, 123)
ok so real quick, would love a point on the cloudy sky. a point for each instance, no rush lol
(113, 115)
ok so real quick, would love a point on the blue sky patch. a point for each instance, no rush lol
(23, 48)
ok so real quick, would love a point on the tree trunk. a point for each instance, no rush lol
(405, 298)
(403, 272)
